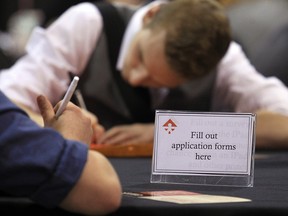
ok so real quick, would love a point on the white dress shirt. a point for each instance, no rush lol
(67, 44)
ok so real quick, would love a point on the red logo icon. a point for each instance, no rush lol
(169, 126)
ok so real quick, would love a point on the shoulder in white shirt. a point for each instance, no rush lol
(241, 88)
(65, 46)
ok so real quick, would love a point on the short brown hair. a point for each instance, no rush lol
(198, 35)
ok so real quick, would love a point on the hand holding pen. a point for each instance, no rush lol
(97, 128)
(67, 96)
(73, 124)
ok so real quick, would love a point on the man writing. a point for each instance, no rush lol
(174, 49)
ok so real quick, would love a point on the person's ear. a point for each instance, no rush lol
(150, 14)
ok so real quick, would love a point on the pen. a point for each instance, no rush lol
(67, 96)
(80, 99)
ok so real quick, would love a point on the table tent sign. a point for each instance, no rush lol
(204, 148)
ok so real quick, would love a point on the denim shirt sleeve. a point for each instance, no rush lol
(37, 163)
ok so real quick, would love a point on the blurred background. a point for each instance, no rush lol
(19, 17)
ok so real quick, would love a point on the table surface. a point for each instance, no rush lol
(269, 194)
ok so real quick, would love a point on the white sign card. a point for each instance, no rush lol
(204, 148)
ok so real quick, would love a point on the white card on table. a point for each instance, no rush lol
(203, 148)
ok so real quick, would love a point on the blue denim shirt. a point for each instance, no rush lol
(37, 163)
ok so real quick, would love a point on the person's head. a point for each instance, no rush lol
(181, 40)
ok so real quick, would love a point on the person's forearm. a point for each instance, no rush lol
(98, 191)
(271, 130)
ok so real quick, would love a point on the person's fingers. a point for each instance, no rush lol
(46, 108)
(118, 135)
(120, 139)
(99, 131)
(109, 134)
